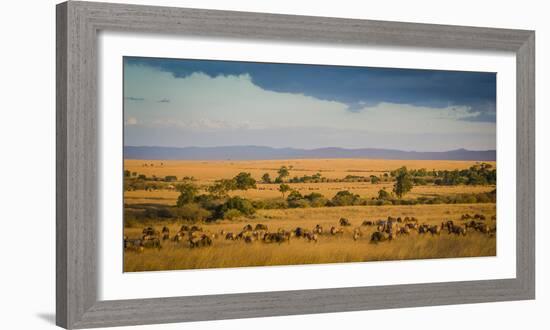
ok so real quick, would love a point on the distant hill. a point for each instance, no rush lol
(267, 153)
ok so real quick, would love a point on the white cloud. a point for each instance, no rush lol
(224, 104)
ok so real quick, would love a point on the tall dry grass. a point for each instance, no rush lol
(329, 249)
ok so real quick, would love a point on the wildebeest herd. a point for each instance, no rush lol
(384, 230)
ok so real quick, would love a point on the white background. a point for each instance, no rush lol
(117, 285)
(27, 137)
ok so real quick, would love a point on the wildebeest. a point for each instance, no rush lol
(318, 229)
(165, 233)
(457, 230)
(435, 229)
(260, 226)
(247, 227)
(133, 244)
(310, 236)
(466, 216)
(449, 224)
(423, 228)
(378, 236)
(150, 231)
(298, 232)
(368, 223)
(202, 240)
(278, 237)
(479, 216)
(151, 242)
(344, 222)
(195, 228)
(230, 236)
(336, 231)
(356, 234)
(184, 228)
(179, 236)
(405, 230)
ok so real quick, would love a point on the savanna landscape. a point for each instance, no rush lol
(211, 214)
(242, 164)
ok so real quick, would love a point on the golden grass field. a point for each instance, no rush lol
(206, 172)
(210, 170)
(328, 249)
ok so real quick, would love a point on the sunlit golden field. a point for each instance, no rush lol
(206, 172)
(328, 249)
(364, 189)
(210, 170)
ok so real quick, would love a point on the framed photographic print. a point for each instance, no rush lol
(308, 161)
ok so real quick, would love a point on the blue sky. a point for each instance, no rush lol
(173, 102)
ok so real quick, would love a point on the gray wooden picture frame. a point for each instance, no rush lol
(78, 24)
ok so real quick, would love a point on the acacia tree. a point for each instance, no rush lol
(244, 181)
(266, 178)
(188, 191)
(283, 173)
(403, 183)
(284, 188)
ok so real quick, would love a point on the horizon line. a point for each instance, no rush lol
(306, 149)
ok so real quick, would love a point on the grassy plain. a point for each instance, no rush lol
(206, 172)
(328, 249)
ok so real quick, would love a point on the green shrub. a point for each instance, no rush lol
(191, 212)
(232, 214)
(343, 198)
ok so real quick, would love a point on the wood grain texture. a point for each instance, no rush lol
(77, 141)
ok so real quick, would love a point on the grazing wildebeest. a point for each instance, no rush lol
(318, 229)
(230, 236)
(278, 237)
(336, 231)
(411, 225)
(466, 216)
(310, 236)
(165, 233)
(133, 245)
(298, 232)
(243, 234)
(368, 223)
(260, 226)
(179, 236)
(184, 228)
(449, 224)
(247, 227)
(150, 231)
(399, 219)
(482, 228)
(423, 228)
(344, 222)
(356, 234)
(151, 242)
(435, 229)
(457, 230)
(378, 236)
(405, 230)
(195, 228)
(202, 240)
(479, 216)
